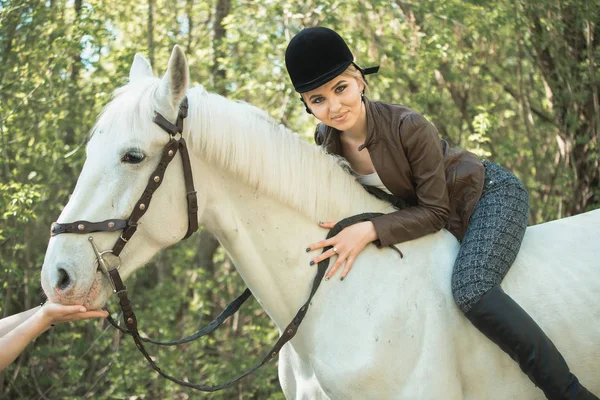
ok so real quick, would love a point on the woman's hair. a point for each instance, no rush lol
(355, 73)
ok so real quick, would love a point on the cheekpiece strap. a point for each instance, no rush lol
(183, 113)
(192, 199)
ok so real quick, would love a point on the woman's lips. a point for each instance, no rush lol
(340, 117)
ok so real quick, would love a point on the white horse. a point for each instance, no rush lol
(391, 329)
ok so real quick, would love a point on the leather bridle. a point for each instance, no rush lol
(109, 261)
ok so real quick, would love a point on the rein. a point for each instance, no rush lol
(287, 334)
(109, 260)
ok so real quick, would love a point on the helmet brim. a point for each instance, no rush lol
(323, 79)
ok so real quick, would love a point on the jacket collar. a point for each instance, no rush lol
(371, 110)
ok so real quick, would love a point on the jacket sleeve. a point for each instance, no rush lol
(423, 149)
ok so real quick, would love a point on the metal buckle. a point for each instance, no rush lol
(111, 262)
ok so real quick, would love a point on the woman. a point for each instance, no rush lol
(18, 330)
(396, 150)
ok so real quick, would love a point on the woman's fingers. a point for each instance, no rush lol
(340, 260)
(58, 310)
(93, 314)
(349, 262)
(84, 315)
(320, 245)
(65, 313)
(347, 245)
(327, 224)
(323, 256)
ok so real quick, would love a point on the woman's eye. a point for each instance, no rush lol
(340, 89)
(317, 100)
(132, 157)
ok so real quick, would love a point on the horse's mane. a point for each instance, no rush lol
(250, 144)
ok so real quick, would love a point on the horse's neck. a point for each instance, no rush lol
(266, 235)
(266, 241)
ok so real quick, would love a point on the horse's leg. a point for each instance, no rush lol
(297, 377)
(287, 380)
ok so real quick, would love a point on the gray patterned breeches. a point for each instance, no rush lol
(493, 236)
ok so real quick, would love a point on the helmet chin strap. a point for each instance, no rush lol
(308, 110)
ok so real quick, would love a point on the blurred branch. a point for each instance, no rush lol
(37, 385)
(524, 98)
(4, 152)
(508, 89)
(593, 85)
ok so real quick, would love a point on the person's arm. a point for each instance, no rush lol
(15, 341)
(424, 152)
(11, 322)
(34, 322)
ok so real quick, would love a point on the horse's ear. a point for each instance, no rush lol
(140, 68)
(174, 84)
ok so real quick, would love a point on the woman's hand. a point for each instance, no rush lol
(52, 313)
(348, 245)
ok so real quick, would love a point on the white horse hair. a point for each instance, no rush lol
(391, 329)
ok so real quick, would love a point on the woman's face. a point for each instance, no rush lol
(337, 103)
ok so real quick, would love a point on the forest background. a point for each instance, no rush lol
(516, 82)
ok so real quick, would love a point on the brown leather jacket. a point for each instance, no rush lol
(441, 184)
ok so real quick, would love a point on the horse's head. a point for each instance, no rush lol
(124, 150)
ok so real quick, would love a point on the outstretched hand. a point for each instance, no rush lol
(18, 330)
(52, 313)
(347, 245)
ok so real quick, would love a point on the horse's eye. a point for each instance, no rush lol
(132, 157)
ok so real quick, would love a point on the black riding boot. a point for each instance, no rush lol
(505, 323)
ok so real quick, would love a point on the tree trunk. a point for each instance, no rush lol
(73, 82)
(223, 9)
(559, 57)
(151, 31)
(189, 6)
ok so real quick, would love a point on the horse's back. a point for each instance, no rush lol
(556, 278)
(392, 325)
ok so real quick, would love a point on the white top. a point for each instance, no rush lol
(371, 180)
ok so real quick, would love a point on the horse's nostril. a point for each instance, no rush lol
(64, 280)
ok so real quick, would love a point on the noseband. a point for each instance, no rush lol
(109, 260)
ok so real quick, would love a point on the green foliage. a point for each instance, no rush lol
(513, 82)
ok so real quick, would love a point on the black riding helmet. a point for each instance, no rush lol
(317, 55)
